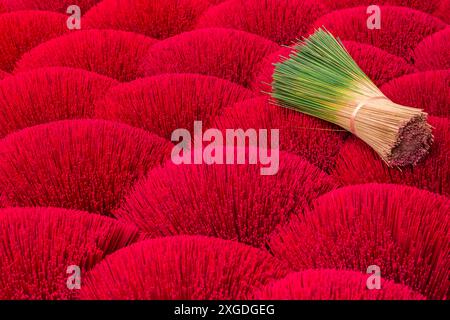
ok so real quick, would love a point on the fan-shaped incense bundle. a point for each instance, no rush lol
(322, 80)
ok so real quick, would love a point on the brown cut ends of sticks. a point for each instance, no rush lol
(321, 79)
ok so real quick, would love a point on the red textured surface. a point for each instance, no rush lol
(21, 31)
(3, 74)
(79, 164)
(282, 21)
(38, 244)
(401, 28)
(443, 11)
(224, 53)
(161, 104)
(49, 94)
(51, 5)
(262, 80)
(402, 230)
(92, 50)
(357, 163)
(328, 284)
(429, 6)
(228, 201)
(434, 51)
(429, 90)
(378, 64)
(182, 268)
(156, 19)
(311, 138)
(54, 81)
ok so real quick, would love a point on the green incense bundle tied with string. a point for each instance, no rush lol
(321, 79)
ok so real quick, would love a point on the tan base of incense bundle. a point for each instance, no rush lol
(321, 79)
